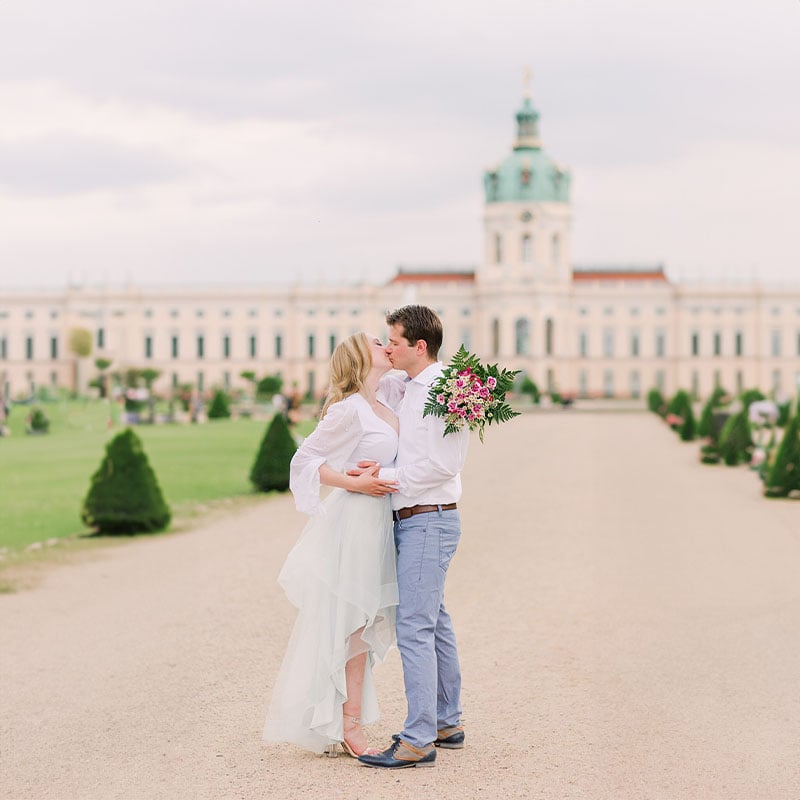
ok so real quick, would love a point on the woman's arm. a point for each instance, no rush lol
(367, 482)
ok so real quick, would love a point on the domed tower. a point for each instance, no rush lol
(527, 213)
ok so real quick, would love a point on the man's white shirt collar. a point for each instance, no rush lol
(427, 374)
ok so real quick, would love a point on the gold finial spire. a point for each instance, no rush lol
(526, 81)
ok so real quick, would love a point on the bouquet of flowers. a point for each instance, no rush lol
(471, 394)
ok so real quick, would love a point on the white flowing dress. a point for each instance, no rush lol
(341, 575)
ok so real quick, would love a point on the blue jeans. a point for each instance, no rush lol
(431, 672)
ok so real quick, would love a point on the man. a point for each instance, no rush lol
(427, 529)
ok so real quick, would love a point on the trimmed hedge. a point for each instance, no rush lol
(271, 468)
(784, 476)
(220, 406)
(656, 402)
(124, 495)
(735, 442)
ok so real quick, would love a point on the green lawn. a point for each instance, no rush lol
(43, 479)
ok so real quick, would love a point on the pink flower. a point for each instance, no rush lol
(484, 392)
(460, 382)
(491, 382)
(462, 412)
(440, 399)
(452, 406)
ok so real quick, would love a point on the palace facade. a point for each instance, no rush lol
(606, 332)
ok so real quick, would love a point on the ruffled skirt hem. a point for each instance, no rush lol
(341, 576)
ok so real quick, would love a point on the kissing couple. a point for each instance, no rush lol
(369, 569)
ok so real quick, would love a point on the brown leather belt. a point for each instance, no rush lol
(405, 513)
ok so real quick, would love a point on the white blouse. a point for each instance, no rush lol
(349, 432)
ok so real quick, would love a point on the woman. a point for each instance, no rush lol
(341, 573)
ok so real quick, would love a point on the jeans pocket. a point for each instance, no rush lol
(448, 536)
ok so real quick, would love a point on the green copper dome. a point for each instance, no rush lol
(527, 174)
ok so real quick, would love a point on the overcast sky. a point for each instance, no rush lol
(245, 141)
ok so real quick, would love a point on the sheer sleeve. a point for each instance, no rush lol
(391, 389)
(333, 440)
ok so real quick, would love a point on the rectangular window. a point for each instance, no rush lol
(608, 342)
(583, 383)
(29, 348)
(635, 348)
(278, 346)
(226, 379)
(660, 380)
(661, 343)
(776, 342)
(739, 343)
(101, 338)
(311, 384)
(636, 388)
(4, 348)
(739, 381)
(148, 346)
(54, 347)
(226, 346)
(201, 346)
(717, 343)
(776, 380)
(527, 249)
(695, 343)
(466, 338)
(253, 345)
(311, 345)
(332, 342)
(583, 343)
(798, 343)
(174, 349)
(695, 383)
(608, 383)
(201, 381)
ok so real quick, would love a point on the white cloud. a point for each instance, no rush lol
(261, 138)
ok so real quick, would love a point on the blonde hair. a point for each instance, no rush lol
(350, 364)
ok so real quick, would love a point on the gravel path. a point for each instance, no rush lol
(628, 623)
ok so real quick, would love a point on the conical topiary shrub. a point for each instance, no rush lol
(678, 409)
(271, 468)
(705, 426)
(656, 402)
(784, 476)
(220, 406)
(688, 428)
(750, 396)
(124, 495)
(735, 441)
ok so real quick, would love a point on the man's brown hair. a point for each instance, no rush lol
(419, 322)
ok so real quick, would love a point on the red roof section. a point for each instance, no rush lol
(433, 277)
(656, 274)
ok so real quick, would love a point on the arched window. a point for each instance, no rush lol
(548, 337)
(498, 249)
(527, 249)
(522, 337)
(556, 249)
(495, 337)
